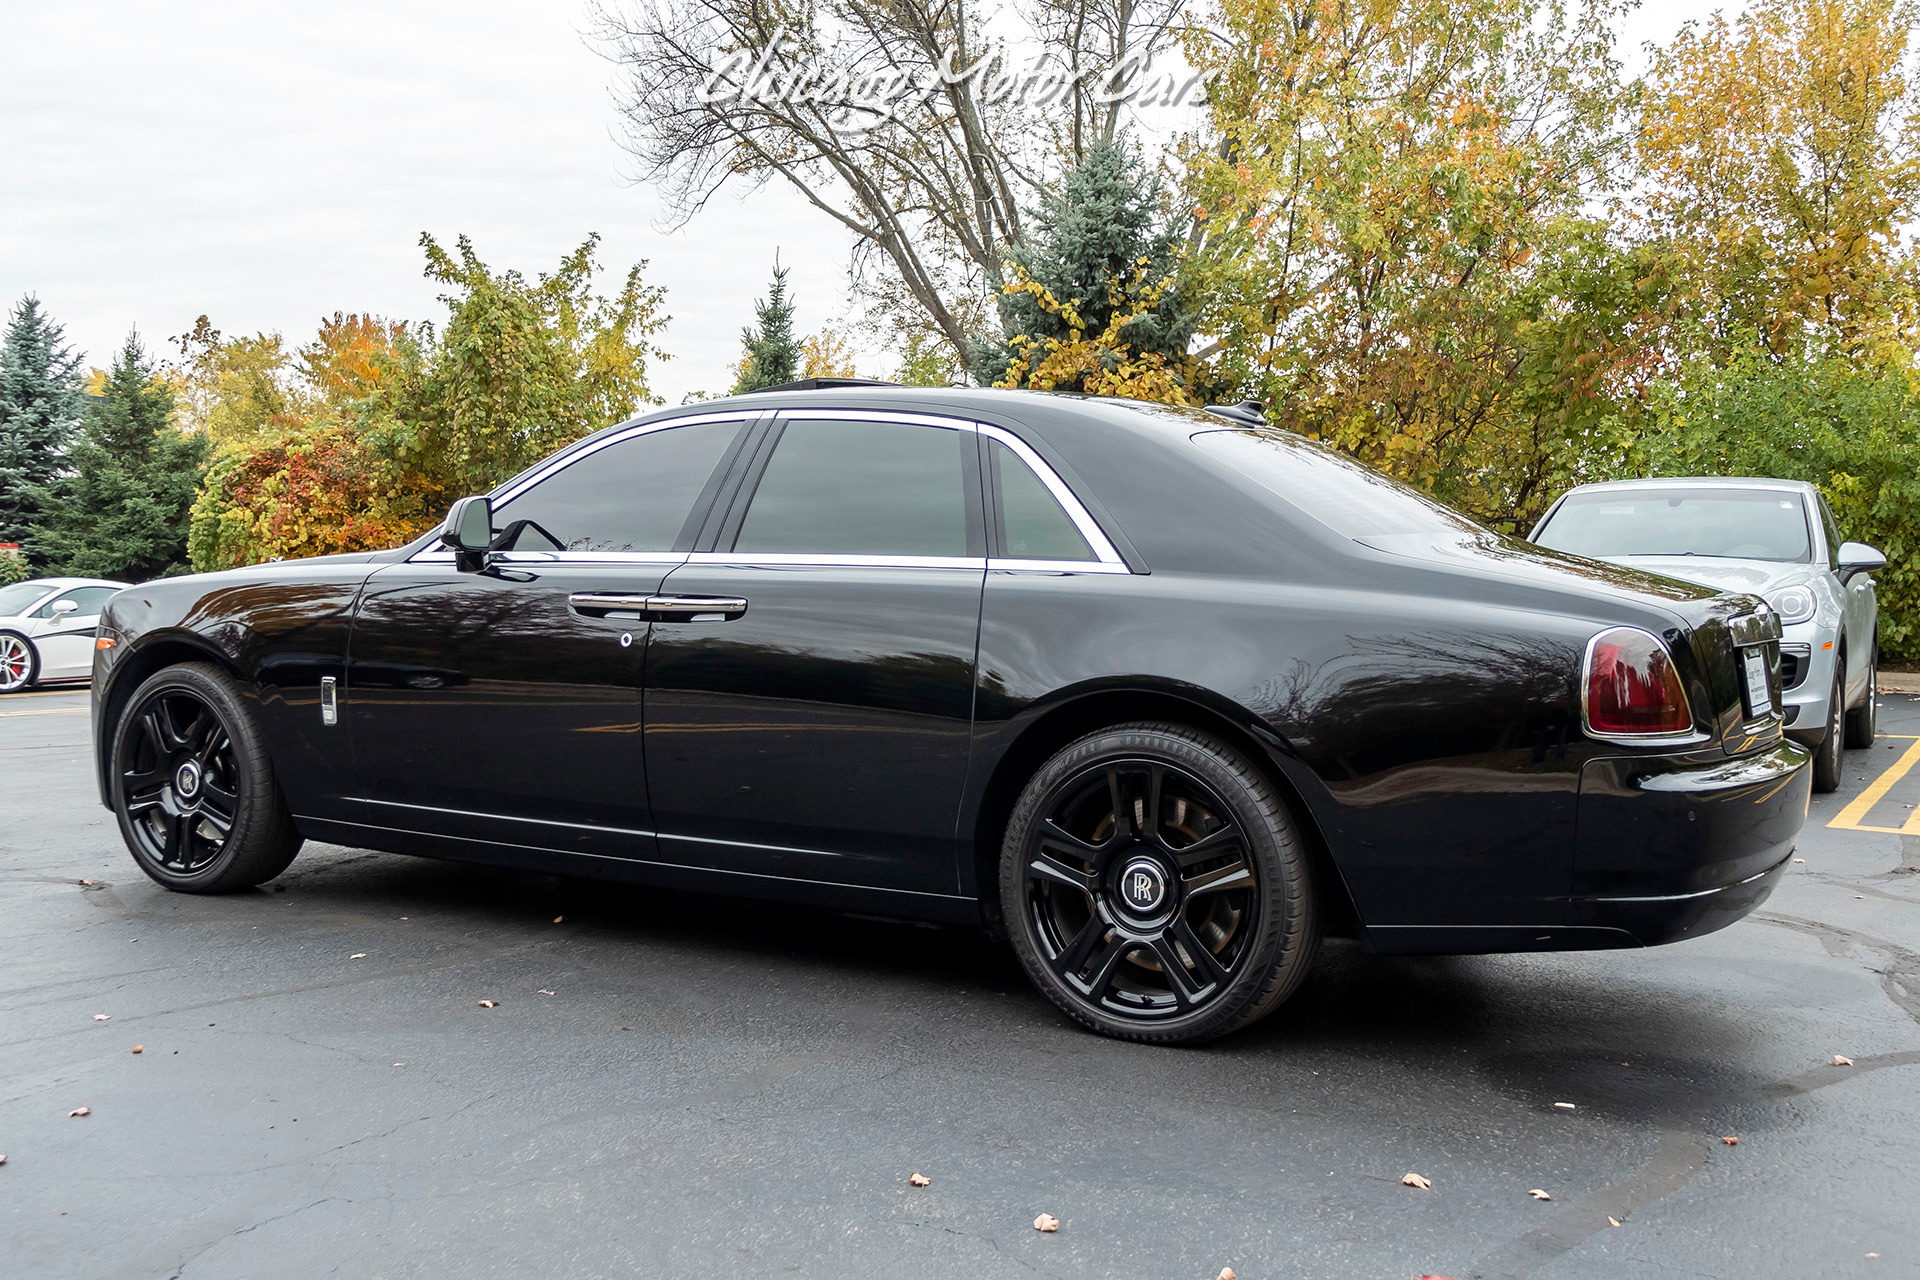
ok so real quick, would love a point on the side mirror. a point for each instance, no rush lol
(469, 531)
(1858, 557)
(64, 606)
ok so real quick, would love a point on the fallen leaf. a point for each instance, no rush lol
(559, 919)
(1538, 1194)
(3, 1159)
(1415, 1180)
(1799, 859)
(1226, 1273)
(489, 1004)
(543, 991)
(399, 1064)
(1731, 1141)
(79, 1111)
(86, 882)
(358, 955)
(1046, 1222)
(101, 1017)
(1614, 1221)
(1564, 1106)
(1871, 1255)
(919, 1180)
(139, 1048)
(1841, 1060)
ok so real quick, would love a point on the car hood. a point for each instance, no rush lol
(1757, 576)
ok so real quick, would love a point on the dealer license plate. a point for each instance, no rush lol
(1759, 697)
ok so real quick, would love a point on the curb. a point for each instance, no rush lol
(1897, 682)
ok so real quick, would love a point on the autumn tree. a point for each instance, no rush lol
(826, 354)
(1384, 194)
(1781, 152)
(40, 408)
(123, 512)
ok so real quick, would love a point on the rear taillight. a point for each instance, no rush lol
(1630, 687)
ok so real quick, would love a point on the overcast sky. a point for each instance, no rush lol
(268, 165)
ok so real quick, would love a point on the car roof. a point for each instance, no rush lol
(1698, 482)
(53, 584)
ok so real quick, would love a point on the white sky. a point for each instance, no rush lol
(268, 165)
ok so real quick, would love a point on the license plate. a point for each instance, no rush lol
(1759, 697)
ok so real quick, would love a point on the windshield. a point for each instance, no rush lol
(1735, 524)
(16, 598)
(1353, 500)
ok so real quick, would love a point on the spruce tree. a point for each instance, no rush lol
(1099, 246)
(772, 354)
(40, 406)
(125, 506)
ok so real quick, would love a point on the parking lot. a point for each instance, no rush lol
(672, 1085)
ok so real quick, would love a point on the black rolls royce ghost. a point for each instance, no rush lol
(1162, 694)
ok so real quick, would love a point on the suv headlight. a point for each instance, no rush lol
(1794, 604)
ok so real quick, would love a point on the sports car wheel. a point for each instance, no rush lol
(1863, 721)
(1826, 759)
(193, 787)
(1154, 886)
(19, 664)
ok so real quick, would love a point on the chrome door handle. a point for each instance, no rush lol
(694, 608)
(598, 604)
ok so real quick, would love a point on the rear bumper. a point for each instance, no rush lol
(1673, 847)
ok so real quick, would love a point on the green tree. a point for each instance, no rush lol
(926, 361)
(123, 512)
(1094, 304)
(40, 405)
(772, 355)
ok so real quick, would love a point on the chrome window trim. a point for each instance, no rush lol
(434, 553)
(1653, 739)
(1083, 520)
(800, 559)
(1001, 565)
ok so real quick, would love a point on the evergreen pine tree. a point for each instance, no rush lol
(40, 406)
(772, 354)
(1086, 248)
(124, 509)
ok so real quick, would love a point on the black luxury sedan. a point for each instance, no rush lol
(1162, 695)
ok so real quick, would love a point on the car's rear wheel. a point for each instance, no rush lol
(19, 664)
(1826, 759)
(1863, 721)
(193, 786)
(1155, 886)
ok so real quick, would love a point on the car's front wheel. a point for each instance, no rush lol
(193, 786)
(1155, 887)
(1827, 757)
(19, 664)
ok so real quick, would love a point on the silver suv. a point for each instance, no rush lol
(1774, 538)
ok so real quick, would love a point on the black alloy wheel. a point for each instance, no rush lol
(1155, 888)
(193, 787)
(1827, 758)
(1863, 721)
(19, 664)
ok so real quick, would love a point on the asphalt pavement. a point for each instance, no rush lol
(302, 1081)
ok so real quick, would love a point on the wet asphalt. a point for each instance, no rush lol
(672, 1085)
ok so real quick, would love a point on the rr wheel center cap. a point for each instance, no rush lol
(186, 781)
(1143, 887)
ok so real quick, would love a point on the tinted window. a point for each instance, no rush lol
(90, 600)
(1833, 534)
(1353, 500)
(630, 496)
(861, 488)
(1737, 524)
(19, 596)
(1033, 524)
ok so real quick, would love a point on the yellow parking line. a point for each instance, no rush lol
(1848, 819)
(46, 711)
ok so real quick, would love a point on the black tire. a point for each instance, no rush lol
(1827, 756)
(19, 662)
(1863, 722)
(193, 786)
(1234, 927)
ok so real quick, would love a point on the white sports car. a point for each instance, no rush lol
(46, 629)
